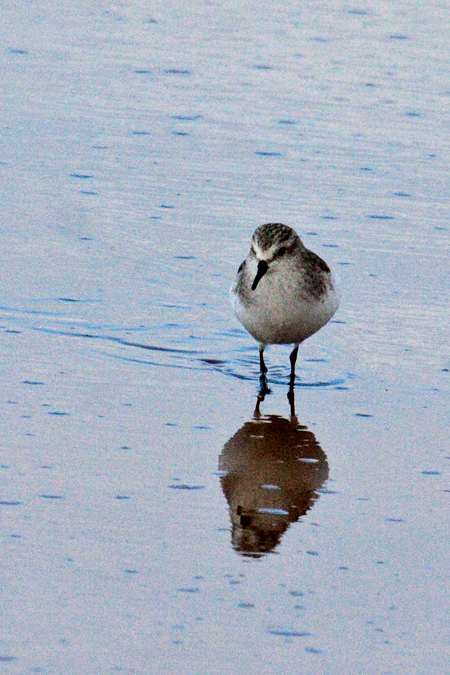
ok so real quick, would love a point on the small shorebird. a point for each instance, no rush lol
(283, 293)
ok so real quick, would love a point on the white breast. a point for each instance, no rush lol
(279, 314)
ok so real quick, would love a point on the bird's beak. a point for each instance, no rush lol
(262, 269)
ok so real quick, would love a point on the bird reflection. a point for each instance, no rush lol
(271, 468)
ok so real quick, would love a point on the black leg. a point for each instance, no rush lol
(291, 399)
(259, 400)
(293, 359)
(262, 365)
(263, 386)
(291, 395)
(264, 389)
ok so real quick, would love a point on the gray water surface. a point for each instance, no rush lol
(157, 516)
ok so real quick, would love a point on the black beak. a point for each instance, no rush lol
(262, 269)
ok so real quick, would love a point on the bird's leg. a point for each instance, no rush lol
(291, 399)
(293, 359)
(264, 389)
(260, 398)
(263, 386)
(262, 365)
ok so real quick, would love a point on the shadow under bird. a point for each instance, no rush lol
(283, 292)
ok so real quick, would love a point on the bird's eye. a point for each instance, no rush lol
(281, 251)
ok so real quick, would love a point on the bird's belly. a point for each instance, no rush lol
(287, 322)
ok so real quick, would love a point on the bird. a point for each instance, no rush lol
(283, 293)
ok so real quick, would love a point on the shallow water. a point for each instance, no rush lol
(157, 516)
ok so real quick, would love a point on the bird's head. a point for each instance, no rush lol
(271, 243)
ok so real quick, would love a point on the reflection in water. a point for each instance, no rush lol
(271, 468)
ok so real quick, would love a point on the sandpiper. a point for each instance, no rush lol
(283, 293)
